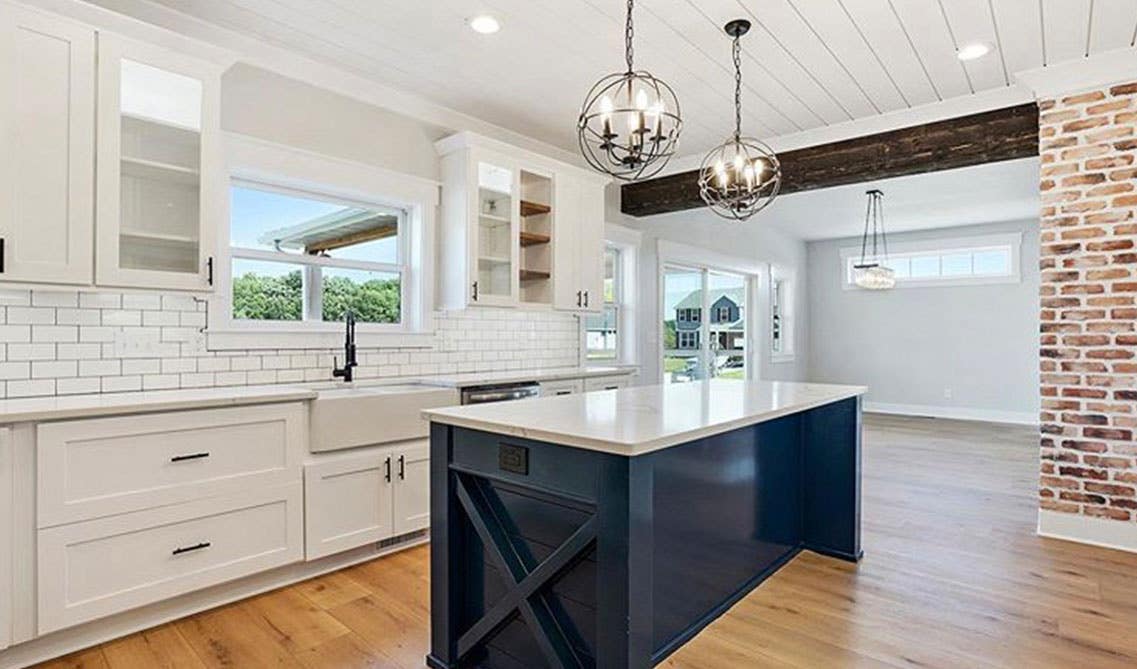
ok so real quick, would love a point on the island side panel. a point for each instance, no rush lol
(445, 546)
(831, 441)
(727, 514)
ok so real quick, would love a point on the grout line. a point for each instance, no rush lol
(794, 58)
(915, 51)
(955, 45)
(840, 62)
(874, 53)
(1089, 29)
(999, 42)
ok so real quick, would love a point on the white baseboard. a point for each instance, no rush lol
(95, 632)
(1116, 534)
(957, 413)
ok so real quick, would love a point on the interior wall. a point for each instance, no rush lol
(274, 108)
(950, 350)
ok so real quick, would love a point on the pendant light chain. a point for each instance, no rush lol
(629, 36)
(737, 88)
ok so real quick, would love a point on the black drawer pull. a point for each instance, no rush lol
(190, 456)
(387, 464)
(402, 468)
(195, 547)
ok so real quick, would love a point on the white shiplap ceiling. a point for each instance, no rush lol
(808, 64)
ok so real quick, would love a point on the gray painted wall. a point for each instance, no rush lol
(908, 345)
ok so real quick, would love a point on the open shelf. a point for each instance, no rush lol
(493, 220)
(494, 260)
(534, 238)
(533, 275)
(534, 208)
(159, 171)
(141, 235)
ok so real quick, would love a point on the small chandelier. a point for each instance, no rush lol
(630, 122)
(870, 273)
(741, 176)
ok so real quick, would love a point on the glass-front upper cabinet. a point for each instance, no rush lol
(159, 173)
(495, 250)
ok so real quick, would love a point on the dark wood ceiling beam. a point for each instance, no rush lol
(988, 137)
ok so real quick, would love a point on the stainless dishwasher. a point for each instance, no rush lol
(500, 392)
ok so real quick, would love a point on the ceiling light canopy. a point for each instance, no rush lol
(741, 176)
(872, 272)
(630, 122)
(973, 51)
(484, 24)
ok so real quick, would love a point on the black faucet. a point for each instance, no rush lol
(350, 362)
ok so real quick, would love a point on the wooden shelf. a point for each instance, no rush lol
(534, 208)
(533, 275)
(533, 238)
(141, 235)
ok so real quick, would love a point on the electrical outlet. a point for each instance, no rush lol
(947, 393)
(137, 343)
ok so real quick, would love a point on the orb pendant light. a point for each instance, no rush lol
(630, 121)
(871, 272)
(741, 176)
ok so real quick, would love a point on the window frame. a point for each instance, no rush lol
(309, 262)
(271, 166)
(945, 246)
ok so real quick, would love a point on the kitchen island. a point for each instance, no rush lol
(606, 529)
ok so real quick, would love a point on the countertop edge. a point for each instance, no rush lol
(629, 448)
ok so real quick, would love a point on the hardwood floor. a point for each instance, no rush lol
(953, 576)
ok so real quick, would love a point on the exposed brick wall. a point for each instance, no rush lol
(1089, 303)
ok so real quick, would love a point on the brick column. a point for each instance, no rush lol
(1088, 351)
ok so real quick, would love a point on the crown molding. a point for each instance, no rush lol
(1103, 69)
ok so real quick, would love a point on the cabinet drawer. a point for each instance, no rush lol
(552, 388)
(347, 501)
(101, 567)
(605, 383)
(103, 466)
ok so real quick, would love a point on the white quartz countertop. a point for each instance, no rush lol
(106, 404)
(65, 407)
(642, 419)
(522, 375)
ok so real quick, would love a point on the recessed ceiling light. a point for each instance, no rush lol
(485, 24)
(973, 51)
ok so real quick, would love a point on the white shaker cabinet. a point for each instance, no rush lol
(47, 145)
(411, 495)
(7, 536)
(160, 181)
(579, 248)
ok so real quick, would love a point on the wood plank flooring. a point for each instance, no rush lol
(953, 576)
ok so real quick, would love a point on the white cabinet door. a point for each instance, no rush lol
(590, 247)
(347, 502)
(47, 144)
(160, 172)
(568, 294)
(412, 488)
(494, 233)
(7, 538)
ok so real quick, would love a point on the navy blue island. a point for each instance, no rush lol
(606, 529)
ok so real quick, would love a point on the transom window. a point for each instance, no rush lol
(299, 256)
(946, 262)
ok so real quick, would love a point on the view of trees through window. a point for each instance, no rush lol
(301, 258)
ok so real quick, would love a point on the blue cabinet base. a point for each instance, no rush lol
(547, 555)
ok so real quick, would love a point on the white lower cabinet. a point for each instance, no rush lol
(100, 567)
(411, 494)
(606, 383)
(365, 496)
(95, 467)
(565, 387)
(7, 536)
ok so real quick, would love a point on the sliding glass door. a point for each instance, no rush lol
(705, 323)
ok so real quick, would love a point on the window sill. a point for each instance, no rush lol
(237, 339)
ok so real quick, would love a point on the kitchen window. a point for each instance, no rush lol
(602, 330)
(946, 262)
(300, 256)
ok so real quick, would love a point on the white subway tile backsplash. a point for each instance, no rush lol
(69, 342)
